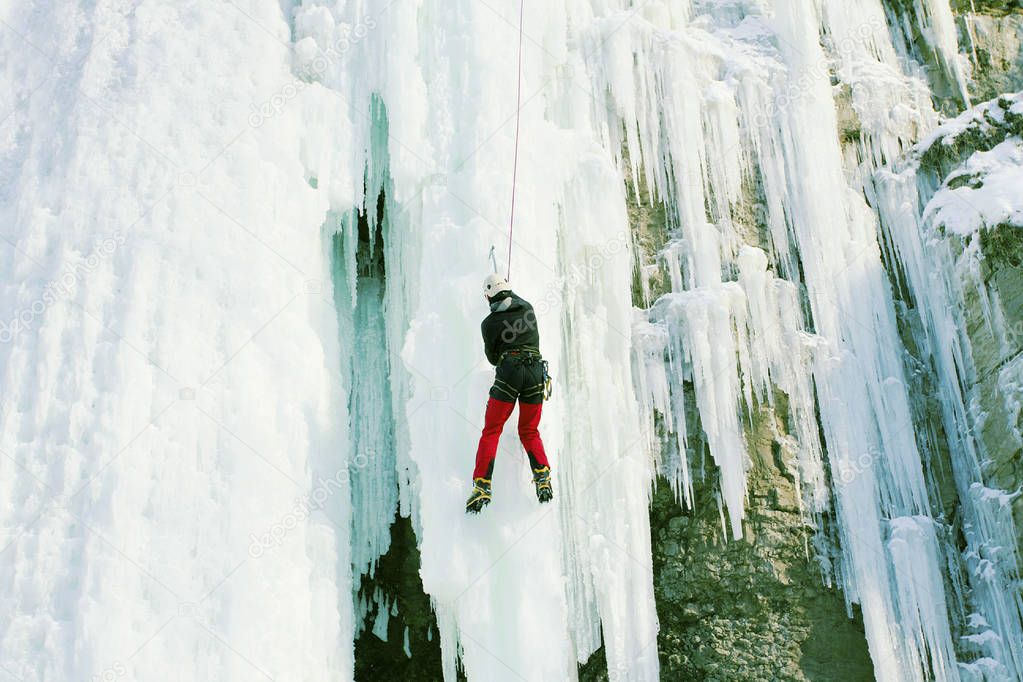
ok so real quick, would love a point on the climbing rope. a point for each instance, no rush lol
(515, 163)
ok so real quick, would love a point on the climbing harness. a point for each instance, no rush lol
(515, 162)
(527, 356)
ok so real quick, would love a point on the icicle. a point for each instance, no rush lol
(938, 276)
(703, 324)
(921, 595)
(382, 618)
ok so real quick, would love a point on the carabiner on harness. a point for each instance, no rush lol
(548, 382)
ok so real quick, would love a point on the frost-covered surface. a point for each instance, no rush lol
(983, 192)
(975, 130)
(983, 189)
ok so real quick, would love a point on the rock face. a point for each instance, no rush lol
(397, 578)
(998, 390)
(759, 608)
(756, 608)
(991, 34)
(989, 269)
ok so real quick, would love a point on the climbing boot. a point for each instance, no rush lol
(480, 496)
(542, 481)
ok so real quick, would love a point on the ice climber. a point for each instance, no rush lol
(512, 344)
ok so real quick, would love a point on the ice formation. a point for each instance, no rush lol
(918, 210)
(244, 244)
(176, 499)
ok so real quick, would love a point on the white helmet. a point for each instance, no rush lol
(495, 284)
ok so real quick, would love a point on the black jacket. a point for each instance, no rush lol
(510, 324)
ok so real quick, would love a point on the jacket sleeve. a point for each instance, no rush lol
(488, 344)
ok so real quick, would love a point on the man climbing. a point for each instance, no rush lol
(512, 345)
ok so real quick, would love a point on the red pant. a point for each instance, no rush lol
(498, 412)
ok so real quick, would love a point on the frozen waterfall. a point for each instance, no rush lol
(242, 246)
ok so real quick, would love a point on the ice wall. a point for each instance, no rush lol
(434, 113)
(933, 224)
(768, 124)
(182, 190)
(208, 155)
(174, 471)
